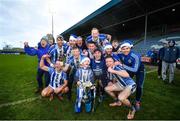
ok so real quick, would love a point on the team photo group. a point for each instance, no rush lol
(96, 66)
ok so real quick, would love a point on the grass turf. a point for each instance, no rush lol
(18, 82)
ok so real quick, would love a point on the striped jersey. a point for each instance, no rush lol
(124, 81)
(101, 40)
(74, 63)
(57, 78)
(57, 53)
(68, 52)
(84, 75)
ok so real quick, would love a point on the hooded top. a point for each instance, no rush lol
(170, 54)
(39, 52)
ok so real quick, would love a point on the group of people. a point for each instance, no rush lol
(94, 65)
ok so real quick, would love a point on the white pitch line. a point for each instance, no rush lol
(151, 71)
(19, 102)
(39, 97)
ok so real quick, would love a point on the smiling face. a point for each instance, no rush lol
(97, 55)
(108, 51)
(59, 42)
(59, 65)
(115, 44)
(125, 50)
(79, 42)
(76, 53)
(91, 47)
(95, 33)
(109, 62)
(72, 42)
(86, 63)
(43, 43)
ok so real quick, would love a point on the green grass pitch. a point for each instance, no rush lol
(18, 82)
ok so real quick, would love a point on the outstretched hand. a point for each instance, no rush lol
(25, 44)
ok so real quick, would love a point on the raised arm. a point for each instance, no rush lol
(42, 66)
(29, 50)
(49, 61)
(67, 65)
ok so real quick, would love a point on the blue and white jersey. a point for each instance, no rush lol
(84, 75)
(98, 67)
(114, 56)
(101, 40)
(68, 52)
(56, 53)
(124, 81)
(57, 78)
(74, 63)
(131, 62)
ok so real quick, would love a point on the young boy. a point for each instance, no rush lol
(122, 85)
(84, 79)
(58, 82)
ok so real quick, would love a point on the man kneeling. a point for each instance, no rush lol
(121, 84)
(58, 82)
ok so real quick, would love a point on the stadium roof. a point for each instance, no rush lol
(123, 17)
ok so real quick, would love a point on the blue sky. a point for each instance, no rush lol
(29, 20)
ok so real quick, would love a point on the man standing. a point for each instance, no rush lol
(169, 57)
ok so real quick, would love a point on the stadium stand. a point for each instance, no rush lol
(144, 21)
(126, 19)
(155, 42)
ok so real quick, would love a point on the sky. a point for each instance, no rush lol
(29, 20)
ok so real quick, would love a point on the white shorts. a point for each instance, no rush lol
(54, 87)
(132, 87)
